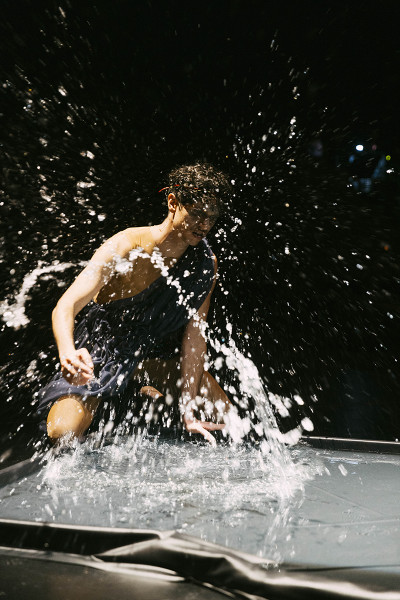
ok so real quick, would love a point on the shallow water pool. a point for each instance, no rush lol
(320, 507)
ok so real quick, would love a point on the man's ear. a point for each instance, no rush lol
(172, 203)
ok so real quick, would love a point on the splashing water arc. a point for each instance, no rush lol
(250, 386)
(13, 314)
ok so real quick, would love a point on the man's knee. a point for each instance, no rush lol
(68, 417)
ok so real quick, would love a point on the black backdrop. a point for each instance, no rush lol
(100, 99)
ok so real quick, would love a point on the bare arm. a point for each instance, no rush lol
(194, 349)
(76, 365)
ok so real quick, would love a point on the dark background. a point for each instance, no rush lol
(248, 86)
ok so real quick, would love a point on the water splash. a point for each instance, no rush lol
(227, 495)
(249, 391)
(13, 313)
(250, 387)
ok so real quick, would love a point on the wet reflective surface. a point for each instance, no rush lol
(320, 507)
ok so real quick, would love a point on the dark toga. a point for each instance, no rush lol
(120, 334)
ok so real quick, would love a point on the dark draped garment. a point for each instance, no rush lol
(122, 333)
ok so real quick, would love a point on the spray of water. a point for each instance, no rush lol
(13, 313)
(227, 495)
(250, 386)
(250, 389)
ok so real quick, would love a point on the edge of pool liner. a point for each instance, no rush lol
(352, 444)
(172, 553)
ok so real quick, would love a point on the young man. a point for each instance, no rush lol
(146, 284)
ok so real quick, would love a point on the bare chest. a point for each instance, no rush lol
(130, 277)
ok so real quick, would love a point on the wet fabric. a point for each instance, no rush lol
(168, 347)
(120, 334)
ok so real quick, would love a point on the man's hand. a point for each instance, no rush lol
(203, 427)
(77, 366)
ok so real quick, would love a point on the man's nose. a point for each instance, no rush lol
(205, 221)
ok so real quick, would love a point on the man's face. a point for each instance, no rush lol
(197, 220)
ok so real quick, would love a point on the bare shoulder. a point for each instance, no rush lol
(123, 242)
(140, 237)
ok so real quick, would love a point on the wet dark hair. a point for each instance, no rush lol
(200, 183)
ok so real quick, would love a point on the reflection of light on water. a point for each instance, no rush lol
(229, 495)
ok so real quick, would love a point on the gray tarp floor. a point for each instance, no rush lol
(343, 510)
